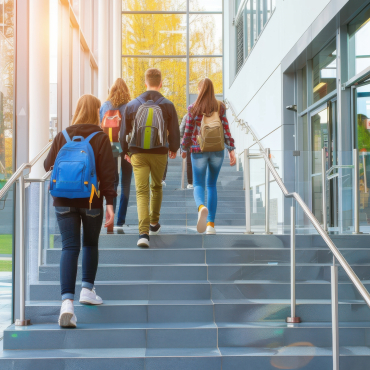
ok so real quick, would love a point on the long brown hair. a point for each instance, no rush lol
(206, 102)
(119, 93)
(87, 110)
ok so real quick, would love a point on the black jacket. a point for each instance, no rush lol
(169, 115)
(104, 161)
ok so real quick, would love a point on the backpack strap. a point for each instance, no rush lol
(66, 136)
(91, 136)
(159, 101)
(141, 100)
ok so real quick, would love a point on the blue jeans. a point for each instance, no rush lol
(201, 161)
(69, 221)
(126, 173)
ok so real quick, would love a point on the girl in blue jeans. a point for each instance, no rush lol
(206, 104)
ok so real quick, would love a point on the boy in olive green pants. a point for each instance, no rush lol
(151, 121)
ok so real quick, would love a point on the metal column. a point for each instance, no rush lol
(292, 319)
(267, 196)
(323, 180)
(247, 186)
(334, 314)
(41, 221)
(22, 320)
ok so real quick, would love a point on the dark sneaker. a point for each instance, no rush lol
(143, 241)
(154, 230)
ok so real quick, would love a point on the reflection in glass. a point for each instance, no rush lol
(159, 5)
(205, 67)
(205, 34)
(359, 46)
(363, 145)
(6, 159)
(324, 72)
(173, 74)
(319, 135)
(208, 5)
(153, 34)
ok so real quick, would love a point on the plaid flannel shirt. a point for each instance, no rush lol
(192, 129)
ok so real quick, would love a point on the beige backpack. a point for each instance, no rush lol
(211, 138)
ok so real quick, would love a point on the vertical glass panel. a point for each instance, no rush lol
(248, 28)
(319, 138)
(304, 88)
(325, 72)
(359, 46)
(159, 5)
(208, 5)
(363, 145)
(254, 21)
(6, 159)
(205, 34)
(153, 34)
(173, 74)
(53, 78)
(206, 67)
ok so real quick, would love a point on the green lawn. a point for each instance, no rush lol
(5, 265)
(6, 241)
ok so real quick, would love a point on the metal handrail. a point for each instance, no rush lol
(342, 261)
(336, 253)
(19, 176)
(19, 172)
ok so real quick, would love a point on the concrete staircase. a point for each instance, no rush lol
(198, 302)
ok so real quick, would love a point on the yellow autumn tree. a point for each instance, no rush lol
(146, 35)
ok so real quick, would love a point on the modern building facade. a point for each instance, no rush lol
(296, 72)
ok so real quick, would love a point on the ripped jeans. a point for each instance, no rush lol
(69, 221)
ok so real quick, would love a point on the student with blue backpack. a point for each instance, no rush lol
(111, 114)
(83, 173)
(153, 134)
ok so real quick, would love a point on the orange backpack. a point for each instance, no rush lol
(111, 124)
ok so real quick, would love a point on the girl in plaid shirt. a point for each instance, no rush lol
(206, 103)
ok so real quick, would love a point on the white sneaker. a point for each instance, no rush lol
(164, 183)
(88, 296)
(143, 241)
(202, 220)
(190, 186)
(67, 317)
(210, 230)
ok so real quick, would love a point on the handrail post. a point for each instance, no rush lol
(323, 179)
(183, 173)
(267, 195)
(292, 319)
(247, 187)
(237, 163)
(22, 245)
(41, 222)
(357, 190)
(334, 314)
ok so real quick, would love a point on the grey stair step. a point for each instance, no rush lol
(119, 312)
(51, 336)
(155, 290)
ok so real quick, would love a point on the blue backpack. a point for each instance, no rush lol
(74, 172)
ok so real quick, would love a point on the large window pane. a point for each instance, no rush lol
(205, 34)
(158, 5)
(206, 67)
(359, 45)
(153, 34)
(207, 5)
(325, 72)
(173, 74)
(6, 158)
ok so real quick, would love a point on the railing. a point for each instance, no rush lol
(19, 176)
(336, 253)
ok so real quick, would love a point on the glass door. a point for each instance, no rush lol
(362, 143)
(324, 135)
